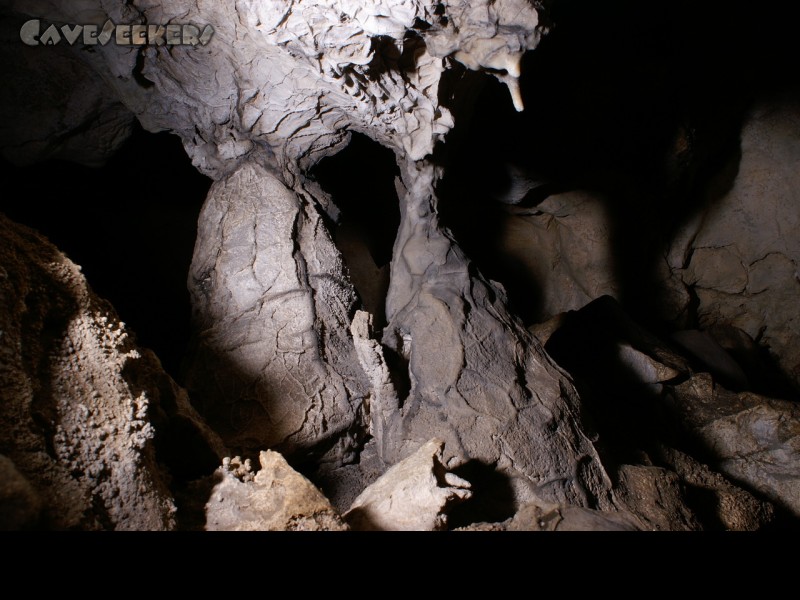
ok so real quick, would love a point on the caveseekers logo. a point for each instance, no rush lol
(124, 35)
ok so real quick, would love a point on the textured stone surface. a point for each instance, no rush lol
(717, 503)
(413, 495)
(655, 495)
(733, 260)
(273, 362)
(79, 399)
(740, 257)
(335, 65)
(277, 498)
(563, 244)
(555, 517)
(544, 516)
(645, 399)
(751, 439)
(282, 359)
(274, 365)
(494, 396)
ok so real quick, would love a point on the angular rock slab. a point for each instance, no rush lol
(277, 498)
(478, 380)
(79, 399)
(413, 495)
(273, 364)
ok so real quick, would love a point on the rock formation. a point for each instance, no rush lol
(93, 429)
(283, 357)
(413, 495)
(277, 498)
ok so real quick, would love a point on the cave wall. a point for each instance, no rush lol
(280, 356)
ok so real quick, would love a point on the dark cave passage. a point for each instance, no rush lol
(639, 105)
(130, 225)
(360, 180)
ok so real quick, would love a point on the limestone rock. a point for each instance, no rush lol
(554, 517)
(646, 399)
(562, 244)
(273, 364)
(751, 439)
(544, 516)
(335, 65)
(277, 498)
(413, 495)
(733, 263)
(281, 357)
(655, 495)
(476, 396)
(717, 502)
(740, 256)
(713, 357)
(79, 398)
(279, 87)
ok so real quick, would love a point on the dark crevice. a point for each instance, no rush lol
(360, 180)
(138, 71)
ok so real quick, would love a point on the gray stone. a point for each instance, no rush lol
(273, 364)
(743, 251)
(555, 517)
(69, 114)
(493, 395)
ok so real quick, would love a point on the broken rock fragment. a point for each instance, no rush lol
(413, 495)
(277, 498)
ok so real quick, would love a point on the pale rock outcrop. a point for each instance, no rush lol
(413, 495)
(276, 498)
(287, 80)
(274, 365)
(282, 359)
(79, 399)
(720, 503)
(278, 87)
(562, 244)
(732, 262)
(544, 516)
(555, 517)
(652, 409)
